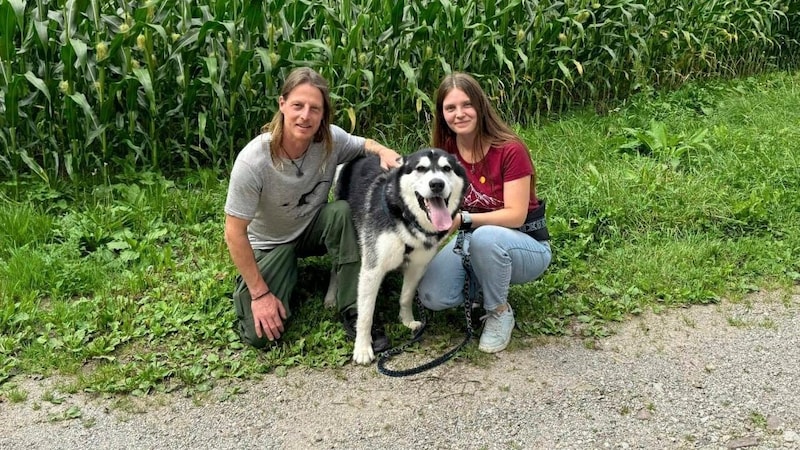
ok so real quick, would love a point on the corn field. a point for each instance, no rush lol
(97, 87)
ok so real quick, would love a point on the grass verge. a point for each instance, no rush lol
(670, 199)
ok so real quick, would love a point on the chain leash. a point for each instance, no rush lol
(384, 357)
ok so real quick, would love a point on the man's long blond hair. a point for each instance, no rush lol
(297, 77)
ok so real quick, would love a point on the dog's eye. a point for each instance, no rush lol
(422, 169)
(447, 169)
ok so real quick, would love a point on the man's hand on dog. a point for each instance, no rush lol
(268, 315)
(390, 159)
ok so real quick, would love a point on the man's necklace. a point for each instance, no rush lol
(300, 167)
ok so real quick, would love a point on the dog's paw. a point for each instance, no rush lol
(363, 355)
(414, 325)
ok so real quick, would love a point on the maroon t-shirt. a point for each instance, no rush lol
(506, 162)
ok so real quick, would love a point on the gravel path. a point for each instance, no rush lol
(711, 377)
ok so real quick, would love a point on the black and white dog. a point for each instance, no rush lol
(401, 217)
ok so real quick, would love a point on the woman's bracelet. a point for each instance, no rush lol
(262, 295)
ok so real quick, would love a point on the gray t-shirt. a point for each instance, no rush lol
(279, 204)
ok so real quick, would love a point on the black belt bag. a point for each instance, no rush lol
(536, 224)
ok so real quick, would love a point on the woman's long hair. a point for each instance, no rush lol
(491, 129)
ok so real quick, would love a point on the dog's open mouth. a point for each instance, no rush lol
(436, 207)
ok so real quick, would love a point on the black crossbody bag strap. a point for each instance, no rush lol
(535, 224)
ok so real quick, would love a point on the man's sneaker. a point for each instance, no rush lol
(380, 342)
(496, 331)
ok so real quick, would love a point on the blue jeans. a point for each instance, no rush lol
(500, 257)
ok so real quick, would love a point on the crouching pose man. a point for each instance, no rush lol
(277, 210)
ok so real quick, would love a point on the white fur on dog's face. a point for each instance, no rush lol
(427, 174)
(429, 179)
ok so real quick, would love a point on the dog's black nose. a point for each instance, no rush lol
(437, 186)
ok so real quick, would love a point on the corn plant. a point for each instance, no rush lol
(90, 88)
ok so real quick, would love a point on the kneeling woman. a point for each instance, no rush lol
(502, 217)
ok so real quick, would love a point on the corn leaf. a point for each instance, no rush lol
(81, 101)
(38, 83)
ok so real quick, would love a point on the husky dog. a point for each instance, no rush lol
(401, 217)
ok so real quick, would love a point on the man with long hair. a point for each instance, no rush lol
(277, 210)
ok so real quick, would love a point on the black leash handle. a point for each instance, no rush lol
(388, 354)
(384, 357)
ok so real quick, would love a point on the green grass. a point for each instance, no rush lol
(666, 200)
(638, 224)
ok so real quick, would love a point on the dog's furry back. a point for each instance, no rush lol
(350, 187)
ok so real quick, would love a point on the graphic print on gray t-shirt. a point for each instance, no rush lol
(321, 188)
(278, 203)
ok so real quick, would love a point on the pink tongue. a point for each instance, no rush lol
(440, 216)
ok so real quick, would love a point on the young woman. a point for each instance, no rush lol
(277, 210)
(507, 240)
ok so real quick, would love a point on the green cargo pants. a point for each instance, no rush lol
(331, 232)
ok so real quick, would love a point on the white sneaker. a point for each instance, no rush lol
(496, 331)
